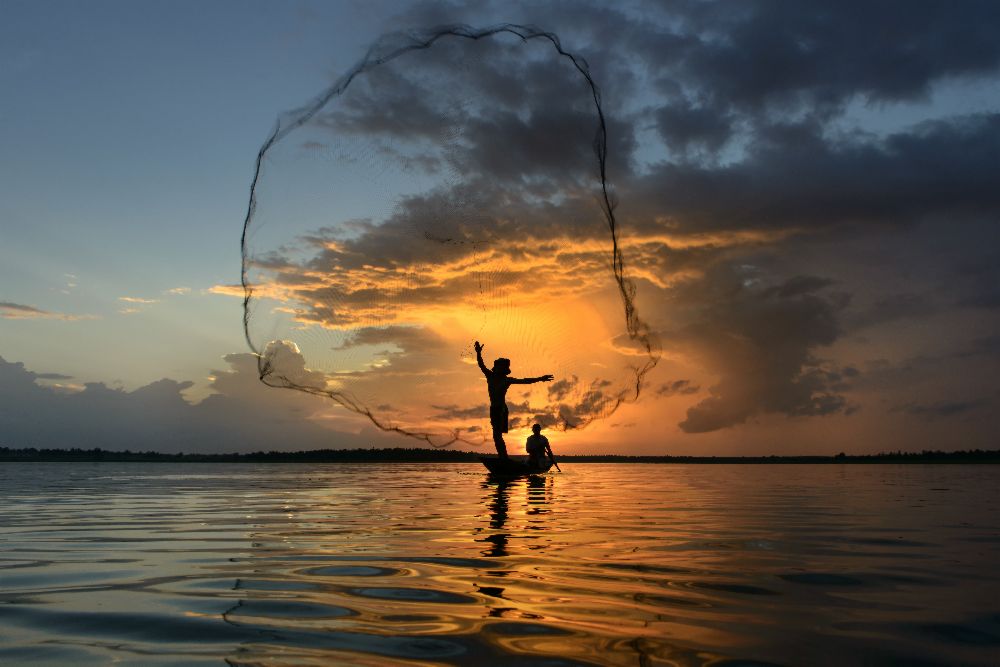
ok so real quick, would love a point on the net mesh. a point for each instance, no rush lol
(451, 187)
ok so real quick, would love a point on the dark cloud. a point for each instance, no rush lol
(987, 346)
(761, 343)
(794, 177)
(559, 389)
(895, 307)
(677, 388)
(769, 54)
(405, 351)
(981, 279)
(453, 412)
(599, 399)
(799, 286)
(482, 411)
(959, 378)
(410, 339)
(731, 130)
(428, 252)
(685, 127)
(385, 102)
(941, 409)
(503, 110)
(552, 144)
(735, 70)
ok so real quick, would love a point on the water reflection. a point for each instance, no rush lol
(497, 502)
(397, 564)
(537, 501)
(540, 488)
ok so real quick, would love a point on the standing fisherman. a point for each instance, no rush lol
(498, 382)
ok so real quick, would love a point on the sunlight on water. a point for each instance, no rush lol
(419, 564)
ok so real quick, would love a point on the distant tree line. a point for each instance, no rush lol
(418, 455)
(393, 455)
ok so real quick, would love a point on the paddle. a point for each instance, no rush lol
(553, 459)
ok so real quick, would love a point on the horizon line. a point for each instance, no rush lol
(426, 455)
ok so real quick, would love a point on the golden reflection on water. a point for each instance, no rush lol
(514, 576)
(416, 564)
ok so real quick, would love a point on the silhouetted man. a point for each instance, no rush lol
(538, 447)
(498, 383)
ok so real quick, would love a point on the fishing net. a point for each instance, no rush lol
(452, 187)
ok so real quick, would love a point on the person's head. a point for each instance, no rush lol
(502, 366)
(536, 429)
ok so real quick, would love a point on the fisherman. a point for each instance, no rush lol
(497, 383)
(538, 448)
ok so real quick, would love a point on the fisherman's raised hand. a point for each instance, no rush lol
(546, 378)
(479, 346)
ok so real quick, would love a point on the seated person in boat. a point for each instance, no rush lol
(497, 383)
(538, 447)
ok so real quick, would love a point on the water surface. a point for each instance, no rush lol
(406, 564)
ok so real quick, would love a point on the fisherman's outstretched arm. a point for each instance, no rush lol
(479, 358)
(540, 378)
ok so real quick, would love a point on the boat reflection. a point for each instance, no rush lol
(498, 509)
(538, 490)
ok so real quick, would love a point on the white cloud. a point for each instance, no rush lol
(244, 415)
(20, 311)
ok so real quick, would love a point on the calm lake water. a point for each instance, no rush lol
(184, 564)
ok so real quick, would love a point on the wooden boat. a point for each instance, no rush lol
(512, 467)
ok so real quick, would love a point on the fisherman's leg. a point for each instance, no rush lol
(499, 443)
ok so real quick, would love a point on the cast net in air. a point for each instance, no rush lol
(452, 187)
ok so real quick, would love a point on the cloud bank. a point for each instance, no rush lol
(242, 415)
(807, 197)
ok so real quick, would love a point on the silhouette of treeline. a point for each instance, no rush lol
(418, 455)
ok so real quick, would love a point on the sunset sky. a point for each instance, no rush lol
(808, 198)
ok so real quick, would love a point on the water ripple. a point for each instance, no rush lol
(415, 564)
